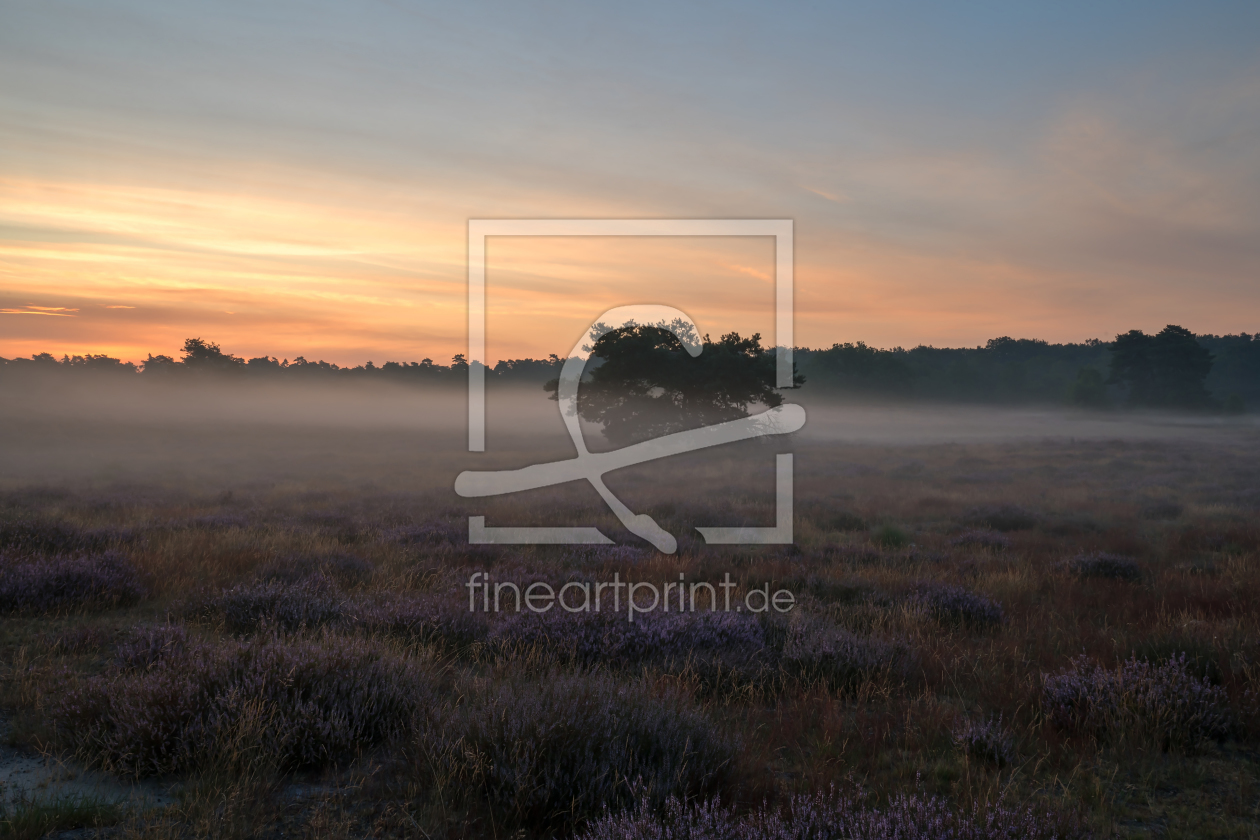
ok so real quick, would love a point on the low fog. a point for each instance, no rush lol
(220, 433)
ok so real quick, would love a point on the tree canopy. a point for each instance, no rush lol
(647, 385)
(1166, 370)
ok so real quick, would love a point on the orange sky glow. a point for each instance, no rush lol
(286, 196)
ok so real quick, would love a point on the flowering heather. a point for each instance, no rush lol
(345, 569)
(301, 703)
(830, 815)
(1001, 518)
(554, 753)
(957, 605)
(68, 582)
(429, 617)
(84, 638)
(992, 540)
(149, 644)
(591, 637)
(608, 554)
(1102, 565)
(1161, 511)
(339, 526)
(26, 537)
(430, 534)
(836, 658)
(310, 602)
(985, 740)
(1163, 704)
(218, 522)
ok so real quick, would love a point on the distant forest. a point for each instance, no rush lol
(1173, 369)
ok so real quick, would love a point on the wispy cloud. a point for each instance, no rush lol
(59, 311)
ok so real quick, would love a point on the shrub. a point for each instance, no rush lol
(993, 540)
(345, 569)
(550, 755)
(429, 617)
(1162, 704)
(836, 658)
(890, 536)
(30, 536)
(985, 740)
(310, 602)
(1106, 566)
(607, 637)
(1001, 518)
(841, 521)
(957, 605)
(831, 815)
(1201, 655)
(67, 582)
(148, 645)
(218, 522)
(608, 554)
(430, 534)
(1161, 510)
(299, 703)
(83, 638)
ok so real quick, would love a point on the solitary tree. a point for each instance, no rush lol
(648, 385)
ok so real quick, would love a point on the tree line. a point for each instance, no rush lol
(1172, 369)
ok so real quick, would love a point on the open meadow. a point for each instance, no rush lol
(252, 619)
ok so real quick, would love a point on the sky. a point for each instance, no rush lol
(297, 178)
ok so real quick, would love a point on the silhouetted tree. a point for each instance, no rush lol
(1089, 390)
(860, 369)
(648, 385)
(206, 355)
(1166, 370)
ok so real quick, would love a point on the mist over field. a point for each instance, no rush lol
(225, 432)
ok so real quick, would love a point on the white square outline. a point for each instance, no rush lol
(479, 229)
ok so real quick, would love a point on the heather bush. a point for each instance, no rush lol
(68, 582)
(831, 815)
(218, 522)
(1159, 704)
(345, 569)
(310, 602)
(827, 589)
(607, 554)
(957, 605)
(1001, 518)
(985, 740)
(427, 617)
(819, 654)
(300, 703)
(592, 637)
(992, 540)
(1161, 511)
(84, 638)
(1201, 655)
(890, 536)
(551, 754)
(429, 534)
(841, 521)
(33, 536)
(1103, 565)
(147, 645)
